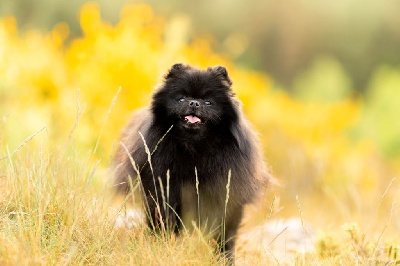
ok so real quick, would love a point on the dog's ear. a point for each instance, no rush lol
(175, 70)
(222, 73)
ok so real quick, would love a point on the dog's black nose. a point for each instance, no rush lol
(194, 103)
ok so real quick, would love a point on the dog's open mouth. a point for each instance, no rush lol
(192, 119)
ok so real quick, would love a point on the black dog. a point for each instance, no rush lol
(195, 130)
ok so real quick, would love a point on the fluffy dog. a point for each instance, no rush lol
(199, 141)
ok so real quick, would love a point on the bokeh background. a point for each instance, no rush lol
(320, 81)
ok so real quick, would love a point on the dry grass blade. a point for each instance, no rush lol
(276, 237)
(111, 155)
(162, 193)
(228, 184)
(27, 140)
(271, 208)
(301, 216)
(136, 169)
(386, 225)
(383, 196)
(161, 139)
(105, 120)
(158, 143)
(177, 216)
(198, 196)
(227, 190)
(151, 166)
(79, 113)
(91, 175)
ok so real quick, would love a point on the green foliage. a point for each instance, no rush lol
(324, 81)
(380, 120)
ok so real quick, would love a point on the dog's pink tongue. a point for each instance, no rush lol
(192, 119)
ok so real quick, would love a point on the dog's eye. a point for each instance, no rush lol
(181, 99)
(207, 102)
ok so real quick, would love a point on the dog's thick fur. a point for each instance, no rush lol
(202, 128)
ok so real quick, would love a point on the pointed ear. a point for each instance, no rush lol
(222, 73)
(175, 70)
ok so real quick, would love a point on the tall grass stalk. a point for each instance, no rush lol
(198, 198)
(151, 166)
(105, 120)
(223, 235)
(26, 141)
(139, 179)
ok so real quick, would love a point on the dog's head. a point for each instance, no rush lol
(195, 101)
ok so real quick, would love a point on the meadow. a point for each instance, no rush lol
(64, 100)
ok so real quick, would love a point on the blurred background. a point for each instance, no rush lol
(281, 38)
(320, 81)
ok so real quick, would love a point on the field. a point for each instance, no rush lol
(64, 100)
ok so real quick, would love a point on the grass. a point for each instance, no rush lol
(57, 207)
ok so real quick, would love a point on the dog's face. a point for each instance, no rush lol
(197, 102)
